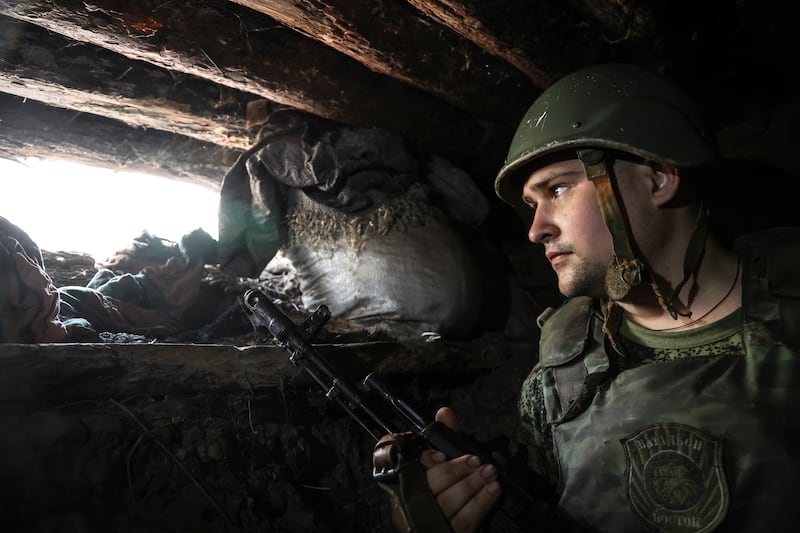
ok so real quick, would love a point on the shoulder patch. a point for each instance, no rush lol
(674, 478)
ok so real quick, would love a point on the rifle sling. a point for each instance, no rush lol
(411, 491)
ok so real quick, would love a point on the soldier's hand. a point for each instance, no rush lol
(465, 489)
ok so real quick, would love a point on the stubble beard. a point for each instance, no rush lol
(585, 279)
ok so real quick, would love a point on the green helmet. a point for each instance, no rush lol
(614, 106)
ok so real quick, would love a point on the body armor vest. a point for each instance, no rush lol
(706, 443)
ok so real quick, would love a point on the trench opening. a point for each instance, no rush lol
(72, 207)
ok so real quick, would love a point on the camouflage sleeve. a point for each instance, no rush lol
(533, 435)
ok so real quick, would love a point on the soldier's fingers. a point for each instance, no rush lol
(447, 416)
(443, 475)
(455, 496)
(469, 518)
(430, 458)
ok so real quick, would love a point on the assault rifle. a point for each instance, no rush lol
(380, 411)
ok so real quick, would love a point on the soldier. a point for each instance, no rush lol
(666, 393)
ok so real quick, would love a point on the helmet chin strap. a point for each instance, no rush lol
(626, 270)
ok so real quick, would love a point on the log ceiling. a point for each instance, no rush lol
(181, 87)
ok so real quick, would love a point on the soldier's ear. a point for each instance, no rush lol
(664, 184)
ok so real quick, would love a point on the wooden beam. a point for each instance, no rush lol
(515, 38)
(244, 50)
(28, 128)
(38, 373)
(46, 67)
(391, 39)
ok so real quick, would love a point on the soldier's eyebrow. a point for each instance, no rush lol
(549, 177)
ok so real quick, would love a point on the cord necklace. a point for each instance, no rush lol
(701, 317)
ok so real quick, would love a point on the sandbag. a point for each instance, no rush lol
(376, 231)
(408, 281)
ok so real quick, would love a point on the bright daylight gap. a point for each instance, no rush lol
(70, 207)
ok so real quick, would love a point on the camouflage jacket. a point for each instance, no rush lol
(707, 443)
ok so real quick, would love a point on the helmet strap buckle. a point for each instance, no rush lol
(622, 275)
(626, 271)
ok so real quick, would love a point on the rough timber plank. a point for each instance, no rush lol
(244, 50)
(390, 38)
(42, 371)
(462, 17)
(31, 129)
(48, 68)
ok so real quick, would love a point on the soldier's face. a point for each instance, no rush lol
(568, 222)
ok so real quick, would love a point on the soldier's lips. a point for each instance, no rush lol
(556, 257)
